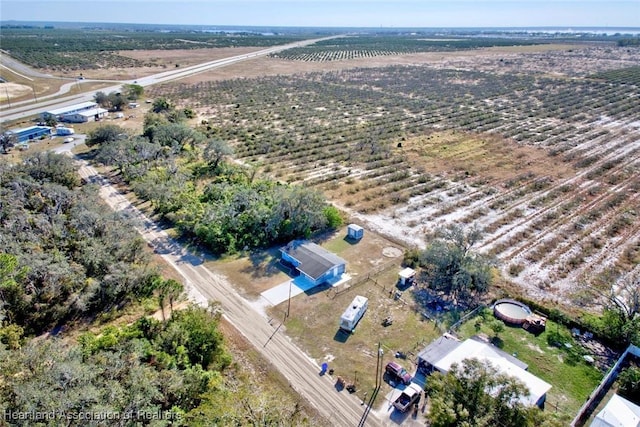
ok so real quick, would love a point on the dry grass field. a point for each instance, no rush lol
(522, 141)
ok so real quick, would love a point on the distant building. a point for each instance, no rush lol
(315, 263)
(618, 412)
(442, 353)
(93, 114)
(31, 133)
(59, 113)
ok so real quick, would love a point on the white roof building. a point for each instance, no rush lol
(618, 412)
(84, 115)
(70, 109)
(456, 352)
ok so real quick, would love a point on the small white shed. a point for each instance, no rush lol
(407, 276)
(355, 232)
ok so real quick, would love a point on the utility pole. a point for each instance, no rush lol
(8, 100)
(379, 366)
(289, 300)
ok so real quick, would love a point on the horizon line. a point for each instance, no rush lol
(567, 27)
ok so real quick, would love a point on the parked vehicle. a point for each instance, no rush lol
(353, 313)
(398, 372)
(66, 140)
(410, 396)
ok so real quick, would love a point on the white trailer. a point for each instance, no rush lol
(353, 313)
(62, 130)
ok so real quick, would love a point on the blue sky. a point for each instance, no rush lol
(350, 13)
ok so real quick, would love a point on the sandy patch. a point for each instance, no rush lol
(391, 252)
(11, 91)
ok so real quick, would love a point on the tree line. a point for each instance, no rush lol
(64, 256)
(183, 172)
(65, 261)
(178, 372)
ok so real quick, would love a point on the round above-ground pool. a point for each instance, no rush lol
(511, 311)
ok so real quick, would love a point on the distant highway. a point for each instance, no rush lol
(29, 108)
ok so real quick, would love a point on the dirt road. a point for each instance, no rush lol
(203, 285)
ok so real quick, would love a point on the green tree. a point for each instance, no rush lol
(116, 101)
(451, 266)
(82, 258)
(12, 336)
(51, 121)
(51, 167)
(629, 383)
(102, 99)
(161, 105)
(105, 134)
(8, 140)
(333, 216)
(167, 188)
(196, 329)
(189, 113)
(11, 292)
(248, 402)
(151, 122)
(133, 91)
(168, 291)
(620, 320)
(475, 394)
(216, 150)
(178, 136)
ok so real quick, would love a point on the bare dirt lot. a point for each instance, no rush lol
(14, 91)
(261, 270)
(161, 60)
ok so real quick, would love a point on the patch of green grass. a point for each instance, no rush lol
(571, 378)
(337, 246)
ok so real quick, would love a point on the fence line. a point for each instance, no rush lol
(598, 394)
(354, 282)
(464, 318)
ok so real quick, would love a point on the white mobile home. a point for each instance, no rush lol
(91, 115)
(58, 113)
(353, 313)
(63, 130)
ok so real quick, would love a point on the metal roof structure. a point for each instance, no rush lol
(90, 113)
(618, 412)
(444, 352)
(72, 108)
(314, 260)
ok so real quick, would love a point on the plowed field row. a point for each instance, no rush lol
(547, 166)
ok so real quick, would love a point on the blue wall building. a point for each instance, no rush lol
(312, 261)
(31, 133)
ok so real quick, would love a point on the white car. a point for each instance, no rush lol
(69, 139)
